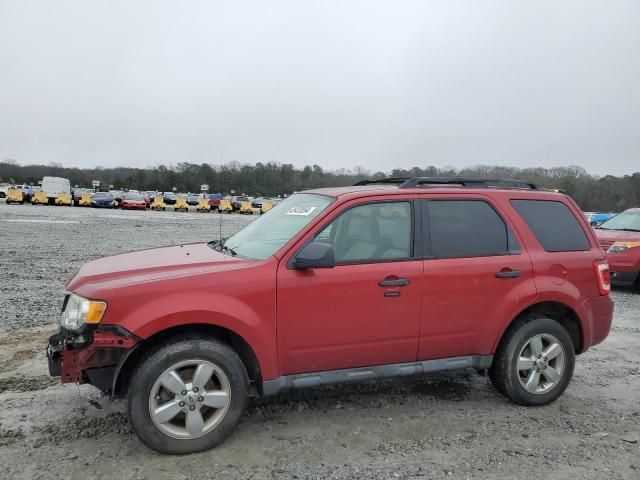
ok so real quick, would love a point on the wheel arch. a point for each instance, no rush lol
(558, 311)
(125, 367)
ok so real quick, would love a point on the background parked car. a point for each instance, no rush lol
(77, 195)
(117, 197)
(133, 201)
(170, 198)
(237, 200)
(214, 200)
(620, 238)
(597, 218)
(103, 200)
(193, 199)
(257, 202)
(4, 187)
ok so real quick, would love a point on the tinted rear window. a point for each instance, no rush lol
(553, 224)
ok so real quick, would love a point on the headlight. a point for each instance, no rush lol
(80, 311)
(619, 247)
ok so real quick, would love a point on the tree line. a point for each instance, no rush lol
(608, 193)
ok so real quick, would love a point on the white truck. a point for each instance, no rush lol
(52, 186)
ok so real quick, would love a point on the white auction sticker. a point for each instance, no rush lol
(303, 210)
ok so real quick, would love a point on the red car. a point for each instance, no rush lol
(133, 201)
(386, 278)
(214, 200)
(620, 238)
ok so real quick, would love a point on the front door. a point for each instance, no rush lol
(366, 310)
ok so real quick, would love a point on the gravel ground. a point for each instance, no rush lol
(441, 426)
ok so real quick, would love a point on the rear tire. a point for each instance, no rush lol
(229, 382)
(534, 362)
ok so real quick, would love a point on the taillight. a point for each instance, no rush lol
(603, 276)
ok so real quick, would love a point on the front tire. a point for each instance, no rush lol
(188, 396)
(535, 361)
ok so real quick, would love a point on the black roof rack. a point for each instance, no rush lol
(383, 181)
(471, 182)
(412, 182)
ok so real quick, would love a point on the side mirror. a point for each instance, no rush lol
(315, 255)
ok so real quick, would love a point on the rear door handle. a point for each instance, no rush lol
(394, 282)
(508, 273)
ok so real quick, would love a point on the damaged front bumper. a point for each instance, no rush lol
(93, 357)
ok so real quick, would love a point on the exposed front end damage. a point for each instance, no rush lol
(90, 356)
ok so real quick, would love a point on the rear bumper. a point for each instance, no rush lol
(599, 312)
(89, 357)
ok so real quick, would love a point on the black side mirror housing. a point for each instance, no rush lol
(315, 255)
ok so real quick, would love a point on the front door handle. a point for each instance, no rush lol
(508, 273)
(394, 282)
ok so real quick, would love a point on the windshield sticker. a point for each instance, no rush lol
(302, 210)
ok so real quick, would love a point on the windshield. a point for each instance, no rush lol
(623, 221)
(265, 236)
(132, 196)
(102, 196)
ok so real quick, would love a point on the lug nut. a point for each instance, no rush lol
(181, 404)
(183, 392)
(192, 407)
(195, 389)
(200, 399)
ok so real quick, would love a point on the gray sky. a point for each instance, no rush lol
(338, 83)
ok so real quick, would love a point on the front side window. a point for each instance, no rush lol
(265, 236)
(371, 233)
(466, 228)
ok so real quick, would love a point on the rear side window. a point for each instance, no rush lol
(466, 228)
(553, 224)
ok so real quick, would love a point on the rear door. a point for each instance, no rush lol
(476, 275)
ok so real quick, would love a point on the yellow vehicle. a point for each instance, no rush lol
(64, 198)
(158, 203)
(266, 206)
(14, 195)
(181, 204)
(245, 207)
(203, 205)
(40, 198)
(225, 206)
(85, 199)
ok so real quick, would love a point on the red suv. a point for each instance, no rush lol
(382, 279)
(620, 238)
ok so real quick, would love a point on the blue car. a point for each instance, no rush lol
(597, 218)
(102, 200)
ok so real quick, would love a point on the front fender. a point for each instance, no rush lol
(146, 318)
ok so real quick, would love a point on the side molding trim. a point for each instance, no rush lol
(303, 380)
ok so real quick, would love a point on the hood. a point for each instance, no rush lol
(606, 238)
(150, 265)
(617, 235)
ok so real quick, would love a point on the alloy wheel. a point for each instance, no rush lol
(541, 364)
(190, 399)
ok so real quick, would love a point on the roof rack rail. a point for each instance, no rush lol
(383, 181)
(470, 182)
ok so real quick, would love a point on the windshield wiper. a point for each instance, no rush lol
(219, 246)
(620, 229)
